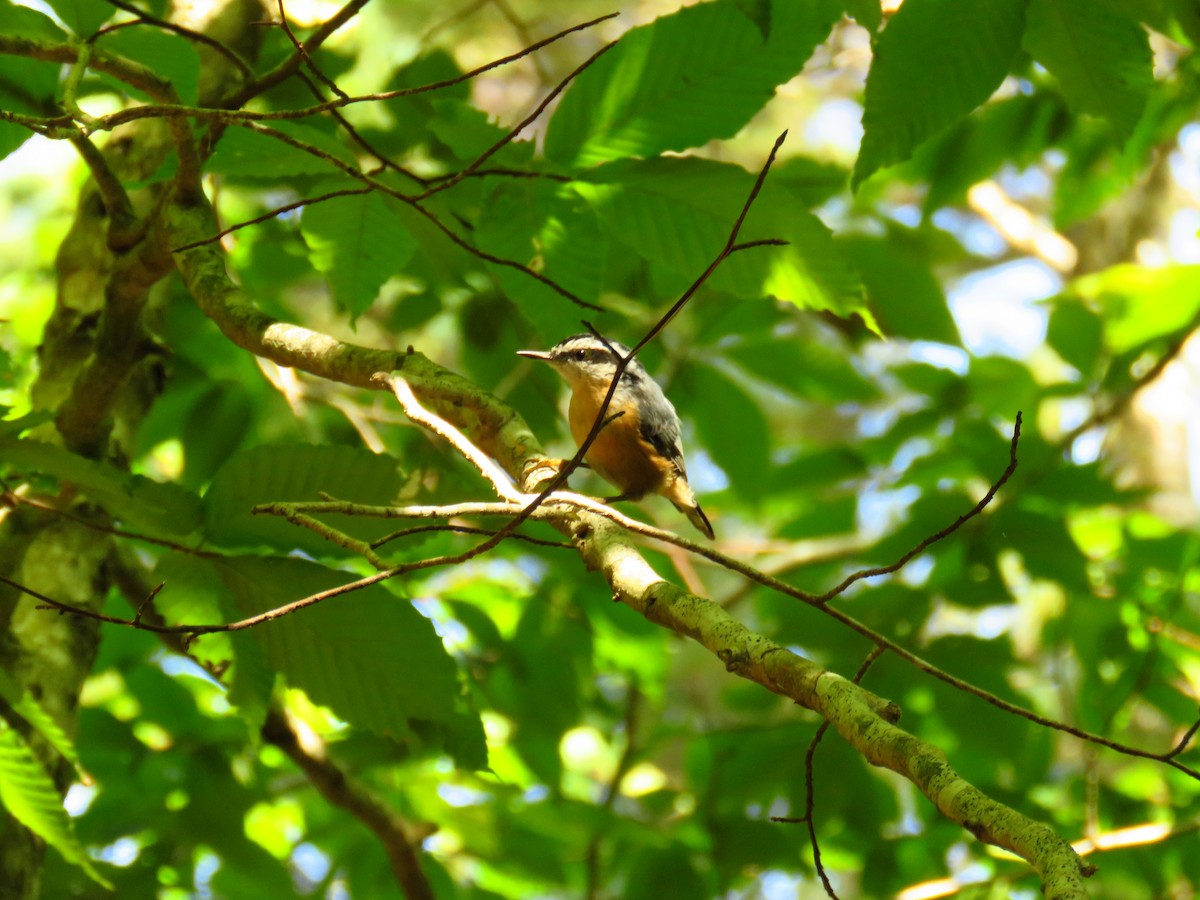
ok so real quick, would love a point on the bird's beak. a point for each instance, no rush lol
(535, 354)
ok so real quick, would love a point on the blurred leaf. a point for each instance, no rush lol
(295, 472)
(27, 792)
(646, 94)
(21, 21)
(732, 428)
(904, 295)
(1013, 131)
(155, 506)
(809, 369)
(358, 244)
(1077, 334)
(1101, 59)
(1140, 304)
(758, 12)
(168, 55)
(19, 699)
(82, 16)
(867, 13)
(935, 62)
(248, 153)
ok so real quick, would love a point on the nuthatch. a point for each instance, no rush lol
(640, 451)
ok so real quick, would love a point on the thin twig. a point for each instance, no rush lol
(302, 51)
(521, 126)
(198, 37)
(940, 535)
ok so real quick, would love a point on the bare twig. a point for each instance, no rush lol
(342, 791)
(521, 126)
(940, 535)
(198, 37)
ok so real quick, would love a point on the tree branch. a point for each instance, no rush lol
(338, 789)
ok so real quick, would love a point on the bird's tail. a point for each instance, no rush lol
(680, 493)
(697, 517)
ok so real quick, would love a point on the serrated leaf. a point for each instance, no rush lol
(83, 17)
(935, 62)
(369, 656)
(246, 153)
(27, 792)
(169, 55)
(294, 472)
(1102, 60)
(697, 75)
(678, 212)
(469, 132)
(359, 244)
(24, 705)
(550, 229)
(252, 680)
(138, 501)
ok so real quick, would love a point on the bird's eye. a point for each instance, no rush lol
(580, 355)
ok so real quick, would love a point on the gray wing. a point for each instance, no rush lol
(661, 430)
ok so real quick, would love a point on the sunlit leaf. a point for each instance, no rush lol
(935, 62)
(28, 794)
(690, 77)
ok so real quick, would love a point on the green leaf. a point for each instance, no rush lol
(905, 296)
(27, 86)
(369, 656)
(1140, 304)
(811, 369)
(935, 62)
(83, 17)
(547, 227)
(246, 153)
(138, 501)
(678, 212)
(697, 75)
(758, 12)
(732, 427)
(469, 132)
(29, 795)
(867, 13)
(295, 472)
(1102, 60)
(1016, 131)
(171, 56)
(1077, 334)
(24, 705)
(359, 244)
(22, 21)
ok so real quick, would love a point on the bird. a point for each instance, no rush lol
(640, 450)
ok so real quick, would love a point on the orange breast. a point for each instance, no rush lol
(619, 454)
